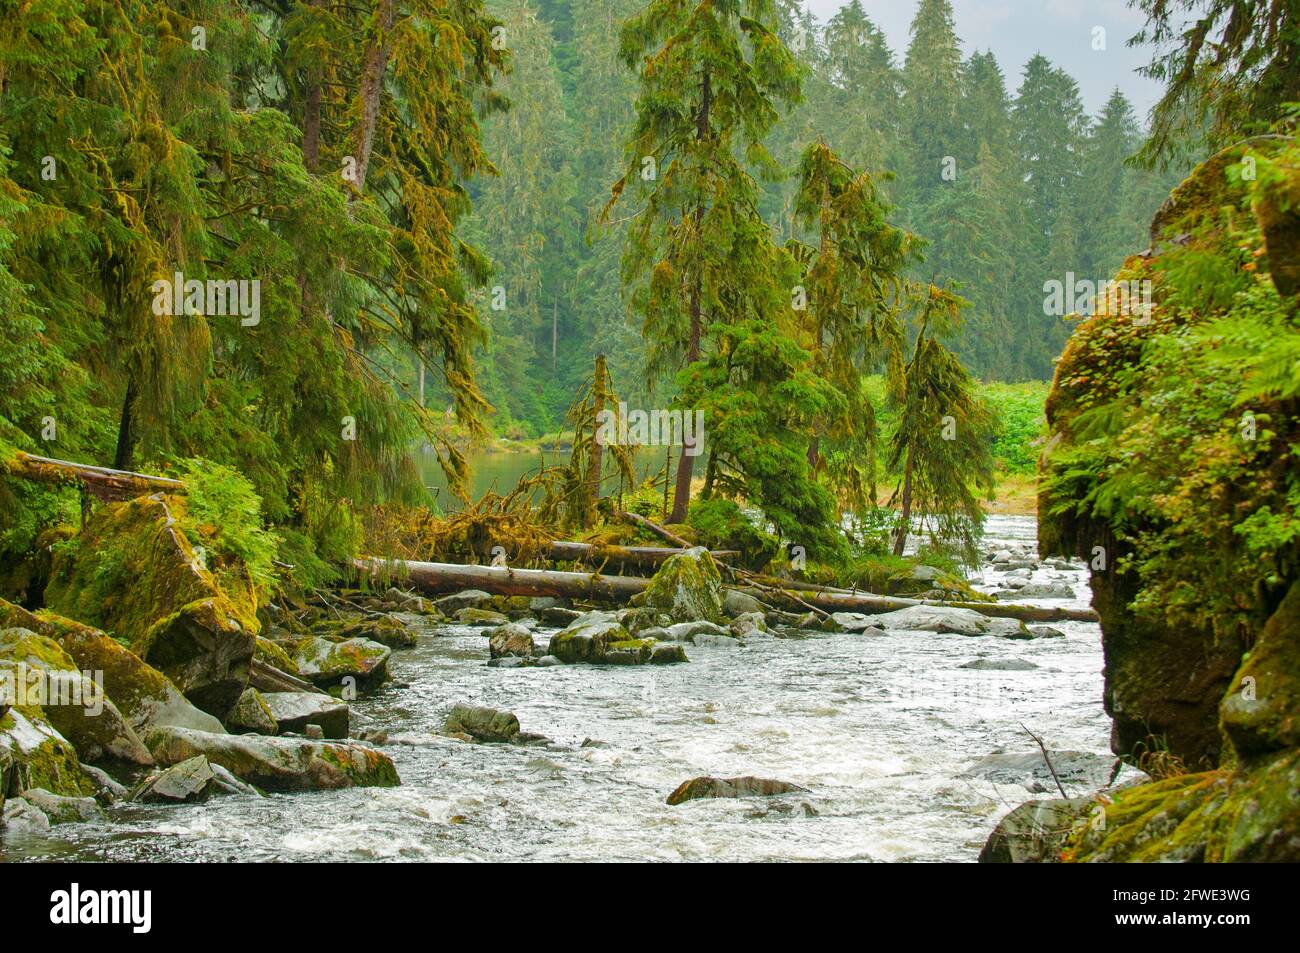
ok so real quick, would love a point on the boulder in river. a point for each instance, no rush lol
(855, 621)
(136, 574)
(731, 787)
(190, 780)
(34, 755)
(465, 599)
(326, 663)
(1044, 590)
(736, 603)
(686, 587)
(76, 706)
(950, 619)
(748, 624)
(384, 629)
(599, 639)
(59, 809)
(1035, 832)
(294, 711)
(279, 764)
(511, 639)
(473, 616)
(999, 665)
(482, 724)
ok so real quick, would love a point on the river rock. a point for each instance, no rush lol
(999, 665)
(465, 599)
(856, 621)
(296, 711)
(62, 810)
(706, 787)
(385, 630)
(252, 714)
(948, 619)
(558, 615)
(1045, 590)
(326, 663)
(191, 780)
(22, 817)
(75, 705)
(747, 623)
(1035, 832)
(1076, 769)
(473, 616)
(34, 755)
(736, 603)
(687, 587)
(482, 724)
(279, 764)
(511, 639)
(689, 631)
(1045, 632)
(107, 788)
(145, 696)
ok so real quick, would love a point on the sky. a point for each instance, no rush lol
(1062, 30)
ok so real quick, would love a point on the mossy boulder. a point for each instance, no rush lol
(294, 711)
(325, 663)
(34, 755)
(707, 787)
(597, 638)
(278, 764)
(1260, 714)
(482, 724)
(252, 715)
(274, 655)
(1036, 832)
(145, 696)
(77, 706)
(687, 588)
(136, 575)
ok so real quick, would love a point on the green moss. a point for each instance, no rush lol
(687, 587)
(41, 757)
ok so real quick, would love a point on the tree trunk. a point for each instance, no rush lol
(638, 520)
(596, 460)
(905, 524)
(373, 68)
(686, 465)
(311, 114)
(125, 441)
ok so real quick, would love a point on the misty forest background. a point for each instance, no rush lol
(1041, 188)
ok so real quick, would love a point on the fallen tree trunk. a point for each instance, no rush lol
(267, 678)
(450, 577)
(103, 483)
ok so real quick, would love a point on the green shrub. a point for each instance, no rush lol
(721, 524)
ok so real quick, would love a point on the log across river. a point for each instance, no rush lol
(436, 578)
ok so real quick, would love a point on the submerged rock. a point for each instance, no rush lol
(731, 787)
(687, 587)
(999, 665)
(279, 764)
(482, 724)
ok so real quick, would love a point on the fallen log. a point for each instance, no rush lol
(451, 577)
(501, 580)
(267, 678)
(103, 483)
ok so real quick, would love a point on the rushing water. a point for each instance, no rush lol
(880, 729)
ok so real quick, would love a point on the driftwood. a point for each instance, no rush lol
(451, 577)
(102, 483)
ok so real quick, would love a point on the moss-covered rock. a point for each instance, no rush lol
(597, 638)
(75, 704)
(482, 724)
(145, 696)
(279, 764)
(37, 756)
(135, 574)
(252, 714)
(327, 663)
(687, 587)
(1260, 714)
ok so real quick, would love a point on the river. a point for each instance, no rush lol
(882, 730)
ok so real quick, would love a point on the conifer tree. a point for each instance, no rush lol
(698, 252)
